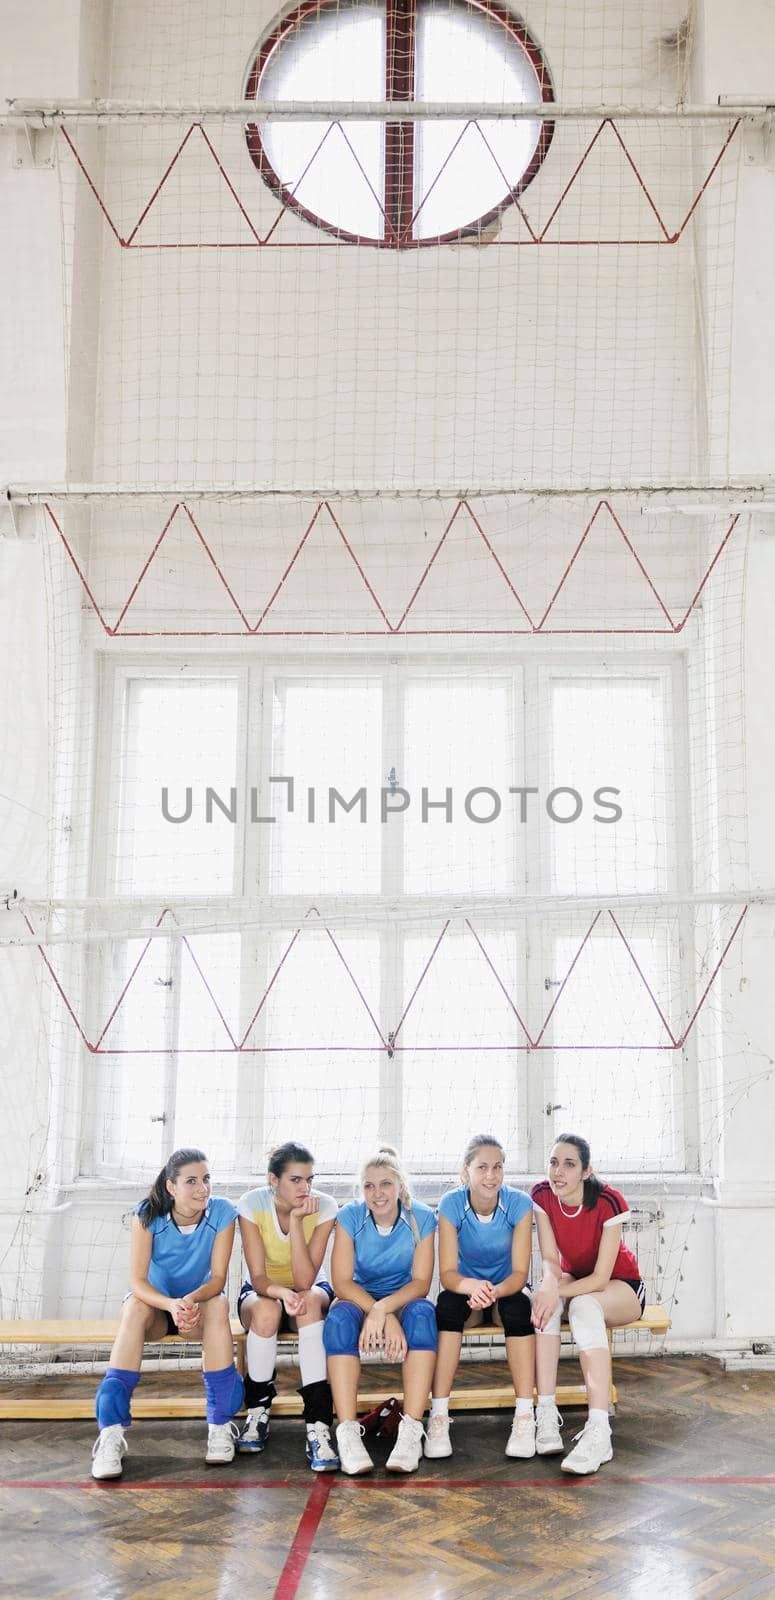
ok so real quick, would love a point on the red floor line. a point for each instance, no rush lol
(297, 1557)
(238, 1485)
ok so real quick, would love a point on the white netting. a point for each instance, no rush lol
(440, 529)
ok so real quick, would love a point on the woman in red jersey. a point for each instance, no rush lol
(589, 1273)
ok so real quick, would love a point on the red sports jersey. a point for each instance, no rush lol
(579, 1234)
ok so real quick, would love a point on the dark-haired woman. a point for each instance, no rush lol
(589, 1270)
(179, 1256)
(485, 1241)
(286, 1225)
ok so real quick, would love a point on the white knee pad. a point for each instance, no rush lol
(587, 1323)
(553, 1325)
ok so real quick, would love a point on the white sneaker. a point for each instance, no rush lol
(109, 1448)
(522, 1439)
(437, 1441)
(593, 1447)
(548, 1425)
(221, 1442)
(354, 1458)
(407, 1450)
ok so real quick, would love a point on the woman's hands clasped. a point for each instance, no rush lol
(382, 1331)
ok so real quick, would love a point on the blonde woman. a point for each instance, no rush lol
(382, 1266)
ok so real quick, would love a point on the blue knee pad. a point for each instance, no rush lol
(341, 1329)
(419, 1325)
(111, 1402)
(225, 1393)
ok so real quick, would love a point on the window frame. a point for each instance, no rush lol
(398, 150)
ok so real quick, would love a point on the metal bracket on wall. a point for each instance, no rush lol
(32, 149)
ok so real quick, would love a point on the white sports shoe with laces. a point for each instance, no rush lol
(221, 1443)
(548, 1425)
(522, 1439)
(437, 1441)
(109, 1449)
(354, 1458)
(592, 1448)
(407, 1450)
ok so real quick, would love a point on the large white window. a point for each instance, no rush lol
(372, 961)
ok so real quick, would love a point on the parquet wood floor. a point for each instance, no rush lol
(685, 1511)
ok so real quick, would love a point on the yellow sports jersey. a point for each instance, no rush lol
(258, 1206)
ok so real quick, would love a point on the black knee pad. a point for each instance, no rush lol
(451, 1311)
(515, 1311)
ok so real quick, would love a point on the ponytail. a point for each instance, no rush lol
(592, 1185)
(158, 1201)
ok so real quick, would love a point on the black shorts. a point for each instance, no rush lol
(286, 1322)
(640, 1289)
(453, 1311)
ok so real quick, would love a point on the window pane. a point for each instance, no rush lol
(340, 56)
(459, 734)
(611, 732)
(328, 1096)
(621, 1100)
(327, 735)
(131, 1084)
(206, 1085)
(450, 1094)
(177, 735)
(463, 55)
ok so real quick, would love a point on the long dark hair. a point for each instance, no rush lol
(159, 1202)
(283, 1154)
(592, 1185)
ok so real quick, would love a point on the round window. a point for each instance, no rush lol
(400, 184)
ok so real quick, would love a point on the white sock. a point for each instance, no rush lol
(601, 1417)
(262, 1357)
(440, 1408)
(523, 1408)
(546, 1400)
(312, 1356)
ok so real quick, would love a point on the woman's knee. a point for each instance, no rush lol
(452, 1311)
(515, 1314)
(265, 1317)
(419, 1325)
(587, 1322)
(341, 1329)
(136, 1314)
(315, 1312)
(215, 1312)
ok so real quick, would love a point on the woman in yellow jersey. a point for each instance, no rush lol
(286, 1225)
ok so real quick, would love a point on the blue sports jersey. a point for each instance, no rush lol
(383, 1262)
(484, 1248)
(180, 1262)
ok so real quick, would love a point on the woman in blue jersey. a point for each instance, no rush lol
(484, 1261)
(382, 1266)
(179, 1257)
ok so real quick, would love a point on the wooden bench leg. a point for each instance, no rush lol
(240, 1354)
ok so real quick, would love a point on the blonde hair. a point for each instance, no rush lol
(387, 1156)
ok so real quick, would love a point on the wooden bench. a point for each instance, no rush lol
(100, 1334)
